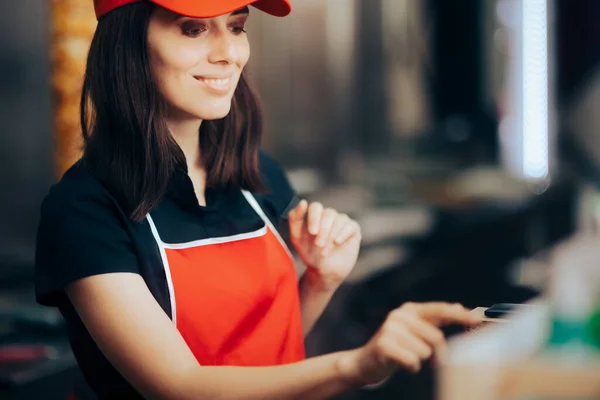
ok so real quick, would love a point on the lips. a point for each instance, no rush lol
(218, 85)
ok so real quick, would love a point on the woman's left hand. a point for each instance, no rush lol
(327, 242)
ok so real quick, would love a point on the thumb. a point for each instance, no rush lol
(296, 219)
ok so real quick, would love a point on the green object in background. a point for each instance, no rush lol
(575, 296)
(593, 327)
(570, 333)
(593, 323)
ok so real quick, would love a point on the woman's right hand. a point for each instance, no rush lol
(409, 335)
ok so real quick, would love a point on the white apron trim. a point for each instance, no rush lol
(165, 261)
(252, 201)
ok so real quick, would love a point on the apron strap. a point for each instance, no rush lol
(254, 204)
(167, 268)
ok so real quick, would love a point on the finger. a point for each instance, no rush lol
(315, 210)
(296, 219)
(299, 211)
(338, 225)
(350, 229)
(409, 341)
(441, 314)
(327, 220)
(405, 358)
(429, 333)
(340, 222)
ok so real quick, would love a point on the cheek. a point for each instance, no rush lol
(170, 69)
(243, 55)
(184, 57)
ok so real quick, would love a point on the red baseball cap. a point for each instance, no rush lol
(201, 8)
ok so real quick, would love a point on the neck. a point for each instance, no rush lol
(187, 135)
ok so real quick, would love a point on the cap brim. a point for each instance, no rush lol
(214, 8)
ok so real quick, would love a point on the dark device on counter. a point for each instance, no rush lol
(500, 310)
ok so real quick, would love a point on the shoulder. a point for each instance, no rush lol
(78, 191)
(272, 171)
(82, 232)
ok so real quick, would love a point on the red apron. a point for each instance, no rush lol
(235, 299)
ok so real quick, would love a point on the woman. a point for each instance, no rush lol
(159, 246)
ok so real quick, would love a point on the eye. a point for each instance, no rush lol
(237, 30)
(193, 30)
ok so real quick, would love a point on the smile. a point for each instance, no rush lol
(217, 85)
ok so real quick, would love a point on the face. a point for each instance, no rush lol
(197, 63)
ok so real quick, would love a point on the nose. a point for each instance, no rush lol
(223, 50)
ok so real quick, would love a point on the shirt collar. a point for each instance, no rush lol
(181, 191)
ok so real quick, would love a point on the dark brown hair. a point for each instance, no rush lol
(127, 143)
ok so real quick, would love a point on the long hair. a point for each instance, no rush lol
(126, 140)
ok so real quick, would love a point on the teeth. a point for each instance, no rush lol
(217, 82)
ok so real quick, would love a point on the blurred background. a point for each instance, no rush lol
(461, 135)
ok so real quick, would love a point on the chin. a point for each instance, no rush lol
(213, 113)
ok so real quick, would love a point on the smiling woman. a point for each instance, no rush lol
(191, 77)
(160, 245)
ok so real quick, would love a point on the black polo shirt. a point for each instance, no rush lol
(84, 231)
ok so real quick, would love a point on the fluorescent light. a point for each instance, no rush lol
(535, 89)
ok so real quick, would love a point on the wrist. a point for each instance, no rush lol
(358, 370)
(313, 281)
(349, 370)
